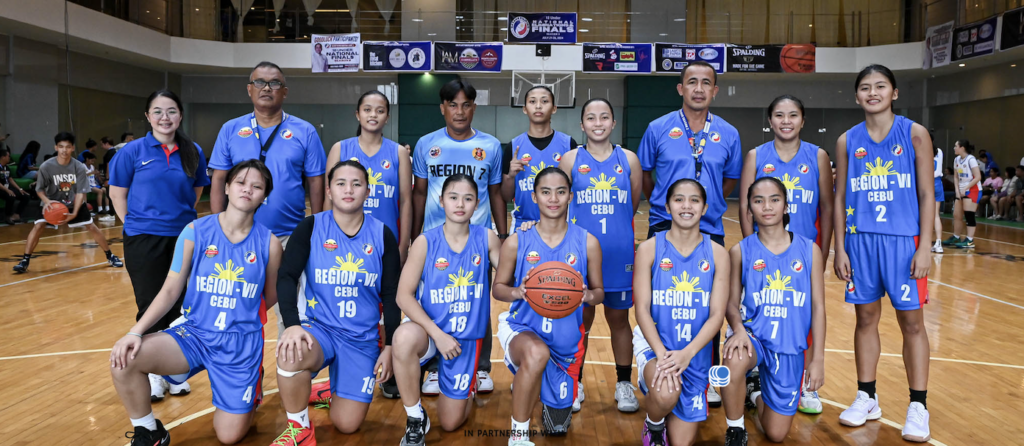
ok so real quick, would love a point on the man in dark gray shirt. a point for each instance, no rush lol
(63, 179)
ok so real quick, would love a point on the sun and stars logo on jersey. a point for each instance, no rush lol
(441, 263)
(349, 263)
(602, 182)
(534, 170)
(462, 278)
(228, 271)
(375, 178)
(685, 283)
(879, 168)
(791, 183)
(779, 282)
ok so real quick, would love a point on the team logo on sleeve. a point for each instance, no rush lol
(715, 137)
(532, 257)
(385, 164)
(768, 168)
(759, 265)
(330, 245)
(675, 133)
(557, 157)
(479, 154)
(570, 258)
(584, 169)
(618, 168)
(860, 153)
(897, 150)
(704, 266)
(211, 251)
(526, 157)
(250, 257)
(367, 249)
(797, 266)
(850, 288)
(665, 265)
(477, 259)
(245, 132)
(803, 168)
(434, 152)
(441, 263)
(287, 134)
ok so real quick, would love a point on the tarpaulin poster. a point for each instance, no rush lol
(673, 57)
(467, 56)
(335, 53)
(938, 45)
(396, 56)
(617, 57)
(976, 39)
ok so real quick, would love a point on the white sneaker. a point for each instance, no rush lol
(430, 386)
(863, 408)
(517, 442)
(180, 389)
(937, 247)
(809, 403)
(484, 383)
(625, 397)
(916, 428)
(157, 387)
(714, 399)
(577, 403)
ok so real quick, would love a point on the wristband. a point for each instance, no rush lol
(135, 334)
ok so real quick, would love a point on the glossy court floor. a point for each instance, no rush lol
(61, 318)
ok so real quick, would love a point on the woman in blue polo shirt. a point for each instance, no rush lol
(154, 183)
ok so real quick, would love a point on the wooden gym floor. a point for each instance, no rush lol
(62, 317)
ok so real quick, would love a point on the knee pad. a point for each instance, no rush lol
(971, 222)
(287, 374)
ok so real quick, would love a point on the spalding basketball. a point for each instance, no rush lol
(554, 290)
(55, 213)
(797, 58)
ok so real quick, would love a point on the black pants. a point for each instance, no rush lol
(662, 226)
(147, 259)
(21, 199)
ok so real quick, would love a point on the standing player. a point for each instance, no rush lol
(681, 288)
(458, 148)
(228, 263)
(798, 164)
(62, 179)
(968, 194)
(351, 263)
(884, 202)
(537, 148)
(545, 355)
(774, 272)
(446, 296)
(606, 191)
(940, 197)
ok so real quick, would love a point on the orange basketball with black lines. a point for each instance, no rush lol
(554, 289)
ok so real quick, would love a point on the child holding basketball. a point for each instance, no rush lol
(229, 264)
(606, 190)
(884, 204)
(351, 263)
(445, 293)
(545, 354)
(680, 287)
(777, 297)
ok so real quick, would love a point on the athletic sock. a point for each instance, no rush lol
(521, 430)
(415, 411)
(919, 396)
(302, 417)
(148, 422)
(26, 257)
(735, 423)
(624, 373)
(108, 253)
(656, 423)
(867, 387)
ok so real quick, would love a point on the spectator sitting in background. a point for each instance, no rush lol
(986, 162)
(90, 147)
(10, 193)
(1019, 199)
(1002, 200)
(992, 183)
(27, 164)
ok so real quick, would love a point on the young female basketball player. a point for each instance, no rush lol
(777, 298)
(681, 285)
(810, 194)
(606, 190)
(351, 264)
(445, 293)
(545, 354)
(884, 203)
(229, 263)
(968, 194)
(537, 148)
(940, 196)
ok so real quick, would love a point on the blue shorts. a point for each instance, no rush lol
(940, 195)
(691, 406)
(881, 265)
(560, 380)
(781, 378)
(457, 377)
(617, 300)
(233, 361)
(351, 362)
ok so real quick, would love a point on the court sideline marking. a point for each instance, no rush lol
(56, 273)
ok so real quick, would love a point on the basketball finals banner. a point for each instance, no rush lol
(396, 56)
(617, 57)
(976, 39)
(547, 27)
(792, 58)
(673, 57)
(335, 53)
(457, 57)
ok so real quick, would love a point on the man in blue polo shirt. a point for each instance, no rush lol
(289, 146)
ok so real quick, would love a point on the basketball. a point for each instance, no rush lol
(55, 213)
(797, 58)
(554, 290)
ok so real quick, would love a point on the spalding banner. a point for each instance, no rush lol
(792, 58)
(548, 27)
(673, 57)
(467, 56)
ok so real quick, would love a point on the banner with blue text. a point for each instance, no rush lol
(546, 27)
(617, 57)
(673, 57)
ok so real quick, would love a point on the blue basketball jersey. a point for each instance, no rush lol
(382, 170)
(776, 304)
(603, 205)
(225, 292)
(563, 336)
(453, 288)
(800, 175)
(343, 277)
(681, 292)
(881, 196)
(524, 209)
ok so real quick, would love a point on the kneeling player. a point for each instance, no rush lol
(545, 354)
(230, 264)
(777, 296)
(680, 287)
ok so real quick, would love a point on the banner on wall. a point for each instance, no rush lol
(335, 53)
(976, 39)
(938, 45)
(617, 57)
(1013, 29)
(467, 56)
(673, 57)
(792, 58)
(547, 27)
(396, 56)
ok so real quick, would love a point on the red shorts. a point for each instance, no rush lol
(974, 193)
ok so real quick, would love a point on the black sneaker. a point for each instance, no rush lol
(736, 436)
(146, 437)
(22, 266)
(753, 385)
(654, 434)
(557, 421)
(416, 431)
(389, 388)
(115, 262)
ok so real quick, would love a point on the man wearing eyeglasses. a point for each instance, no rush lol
(289, 146)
